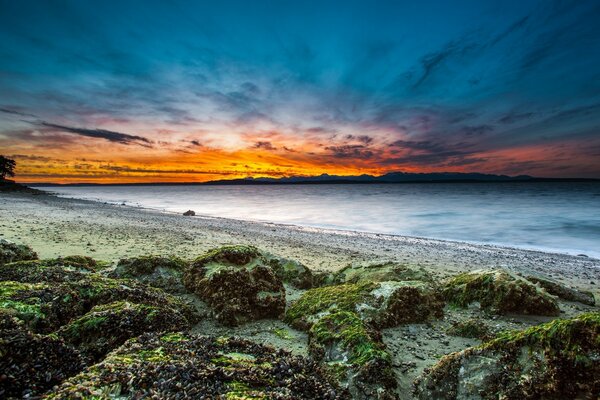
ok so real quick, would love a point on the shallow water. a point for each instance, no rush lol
(561, 217)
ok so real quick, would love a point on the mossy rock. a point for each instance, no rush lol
(473, 328)
(162, 272)
(167, 366)
(10, 252)
(106, 327)
(381, 272)
(562, 291)
(41, 306)
(46, 306)
(292, 272)
(237, 284)
(31, 364)
(51, 270)
(383, 304)
(500, 292)
(354, 353)
(556, 360)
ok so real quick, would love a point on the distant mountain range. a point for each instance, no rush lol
(392, 177)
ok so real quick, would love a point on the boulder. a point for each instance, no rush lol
(47, 305)
(158, 271)
(10, 252)
(189, 213)
(50, 270)
(500, 292)
(383, 304)
(237, 283)
(562, 291)
(473, 328)
(354, 354)
(175, 366)
(108, 326)
(31, 364)
(556, 360)
(381, 272)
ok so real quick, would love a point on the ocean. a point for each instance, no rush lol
(557, 217)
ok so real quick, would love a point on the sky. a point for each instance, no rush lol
(149, 91)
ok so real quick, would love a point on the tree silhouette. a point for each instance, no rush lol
(7, 167)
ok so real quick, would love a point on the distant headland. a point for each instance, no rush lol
(392, 177)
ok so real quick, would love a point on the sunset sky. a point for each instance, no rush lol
(130, 91)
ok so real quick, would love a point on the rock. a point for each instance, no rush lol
(381, 272)
(31, 364)
(291, 272)
(161, 272)
(10, 252)
(383, 304)
(108, 326)
(48, 304)
(176, 366)
(343, 322)
(354, 353)
(189, 213)
(473, 328)
(38, 271)
(237, 283)
(500, 292)
(562, 291)
(556, 360)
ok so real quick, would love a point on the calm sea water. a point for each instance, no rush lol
(561, 217)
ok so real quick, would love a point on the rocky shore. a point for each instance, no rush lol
(231, 313)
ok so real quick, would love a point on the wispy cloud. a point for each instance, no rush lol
(116, 137)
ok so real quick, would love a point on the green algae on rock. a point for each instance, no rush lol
(562, 291)
(10, 252)
(354, 354)
(383, 304)
(499, 291)
(31, 364)
(158, 271)
(237, 284)
(106, 327)
(556, 360)
(169, 366)
(473, 328)
(381, 272)
(38, 271)
(61, 294)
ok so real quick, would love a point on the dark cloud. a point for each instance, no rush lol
(16, 112)
(513, 117)
(264, 145)
(356, 151)
(430, 62)
(365, 139)
(117, 137)
(477, 130)
(195, 143)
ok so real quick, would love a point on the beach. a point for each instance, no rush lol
(57, 227)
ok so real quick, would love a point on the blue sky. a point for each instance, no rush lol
(492, 86)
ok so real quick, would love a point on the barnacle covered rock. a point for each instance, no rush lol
(383, 304)
(49, 270)
(501, 292)
(106, 327)
(10, 252)
(30, 364)
(381, 272)
(556, 360)
(238, 284)
(562, 291)
(169, 366)
(48, 305)
(157, 271)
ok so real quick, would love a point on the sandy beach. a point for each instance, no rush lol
(55, 227)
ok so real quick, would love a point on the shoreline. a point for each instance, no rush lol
(101, 229)
(353, 232)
